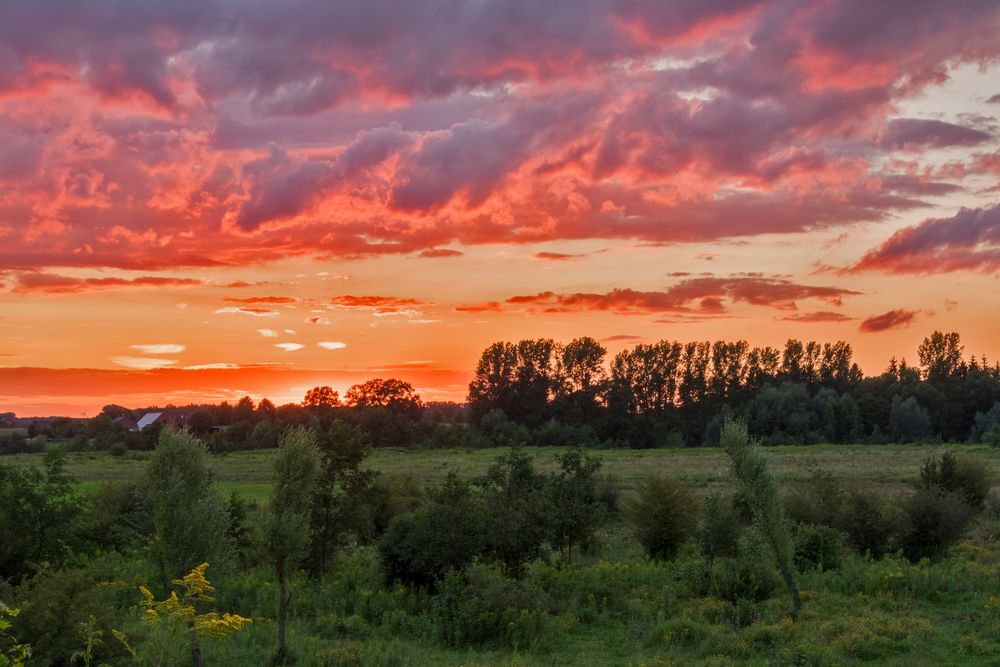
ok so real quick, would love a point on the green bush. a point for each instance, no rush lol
(868, 523)
(750, 576)
(418, 548)
(663, 515)
(720, 528)
(818, 547)
(55, 604)
(934, 521)
(480, 607)
(819, 501)
(951, 474)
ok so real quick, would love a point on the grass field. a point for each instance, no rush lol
(881, 467)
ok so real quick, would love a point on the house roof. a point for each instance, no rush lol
(147, 419)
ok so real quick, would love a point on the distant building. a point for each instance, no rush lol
(147, 419)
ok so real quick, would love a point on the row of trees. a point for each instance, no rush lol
(652, 395)
(670, 392)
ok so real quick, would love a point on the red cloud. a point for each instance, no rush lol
(969, 240)
(36, 281)
(894, 319)
(351, 301)
(820, 317)
(488, 307)
(556, 256)
(149, 138)
(276, 300)
(441, 252)
(697, 296)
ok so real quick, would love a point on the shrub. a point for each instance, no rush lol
(750, 576)
(663, 515)
(518, 511)
(574, 509)
(868, 523)
(934, 521)
(418, 548)
(818, 502)
(818, 547)
(720, 528)
(56, 603)
(118, 515)
(969, 479)
(39, 515)
(482, 607)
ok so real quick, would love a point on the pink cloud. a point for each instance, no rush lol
(893, 319)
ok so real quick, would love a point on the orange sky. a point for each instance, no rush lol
(197, 204)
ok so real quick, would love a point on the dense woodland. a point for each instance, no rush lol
(665, 394)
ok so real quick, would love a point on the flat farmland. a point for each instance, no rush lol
(884, 468)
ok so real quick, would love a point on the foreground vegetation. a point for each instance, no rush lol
(501, 557)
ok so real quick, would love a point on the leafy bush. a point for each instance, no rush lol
(720, 529)
(934, 521)
(868, 523)
(482, 607)
(39, 516)
(418, 548)
(518, 511)
(951, 474)
(818, 502)
(750, 576)
(118, 516)
(663, 515)
(55, 604)
(818, 547)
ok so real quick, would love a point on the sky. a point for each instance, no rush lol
(201, 200)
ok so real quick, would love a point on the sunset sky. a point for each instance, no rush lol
(200, 200)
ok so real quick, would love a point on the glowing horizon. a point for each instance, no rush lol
(200, 203)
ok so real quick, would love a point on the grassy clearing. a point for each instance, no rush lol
(881, 467)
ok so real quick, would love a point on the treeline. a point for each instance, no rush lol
(671, 394)
(663, 394)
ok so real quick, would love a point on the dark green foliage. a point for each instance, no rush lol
(986, 429)
(239, 530)
(118, 516)
(286, 538)
(54, 605)
(720, 529)
(818, 502)
(663, 515)
(479, 607)
(39, 515)
(756, 486)
(818, 547)
(747, 576)
(448, 533)
(934, 521)
(868, 523)
(189, 516)
(342, 496)
(518, 511)
(575, 510)
(967, 478)
(908, 420)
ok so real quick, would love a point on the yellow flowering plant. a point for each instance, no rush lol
(12, 654)
(175, 622)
